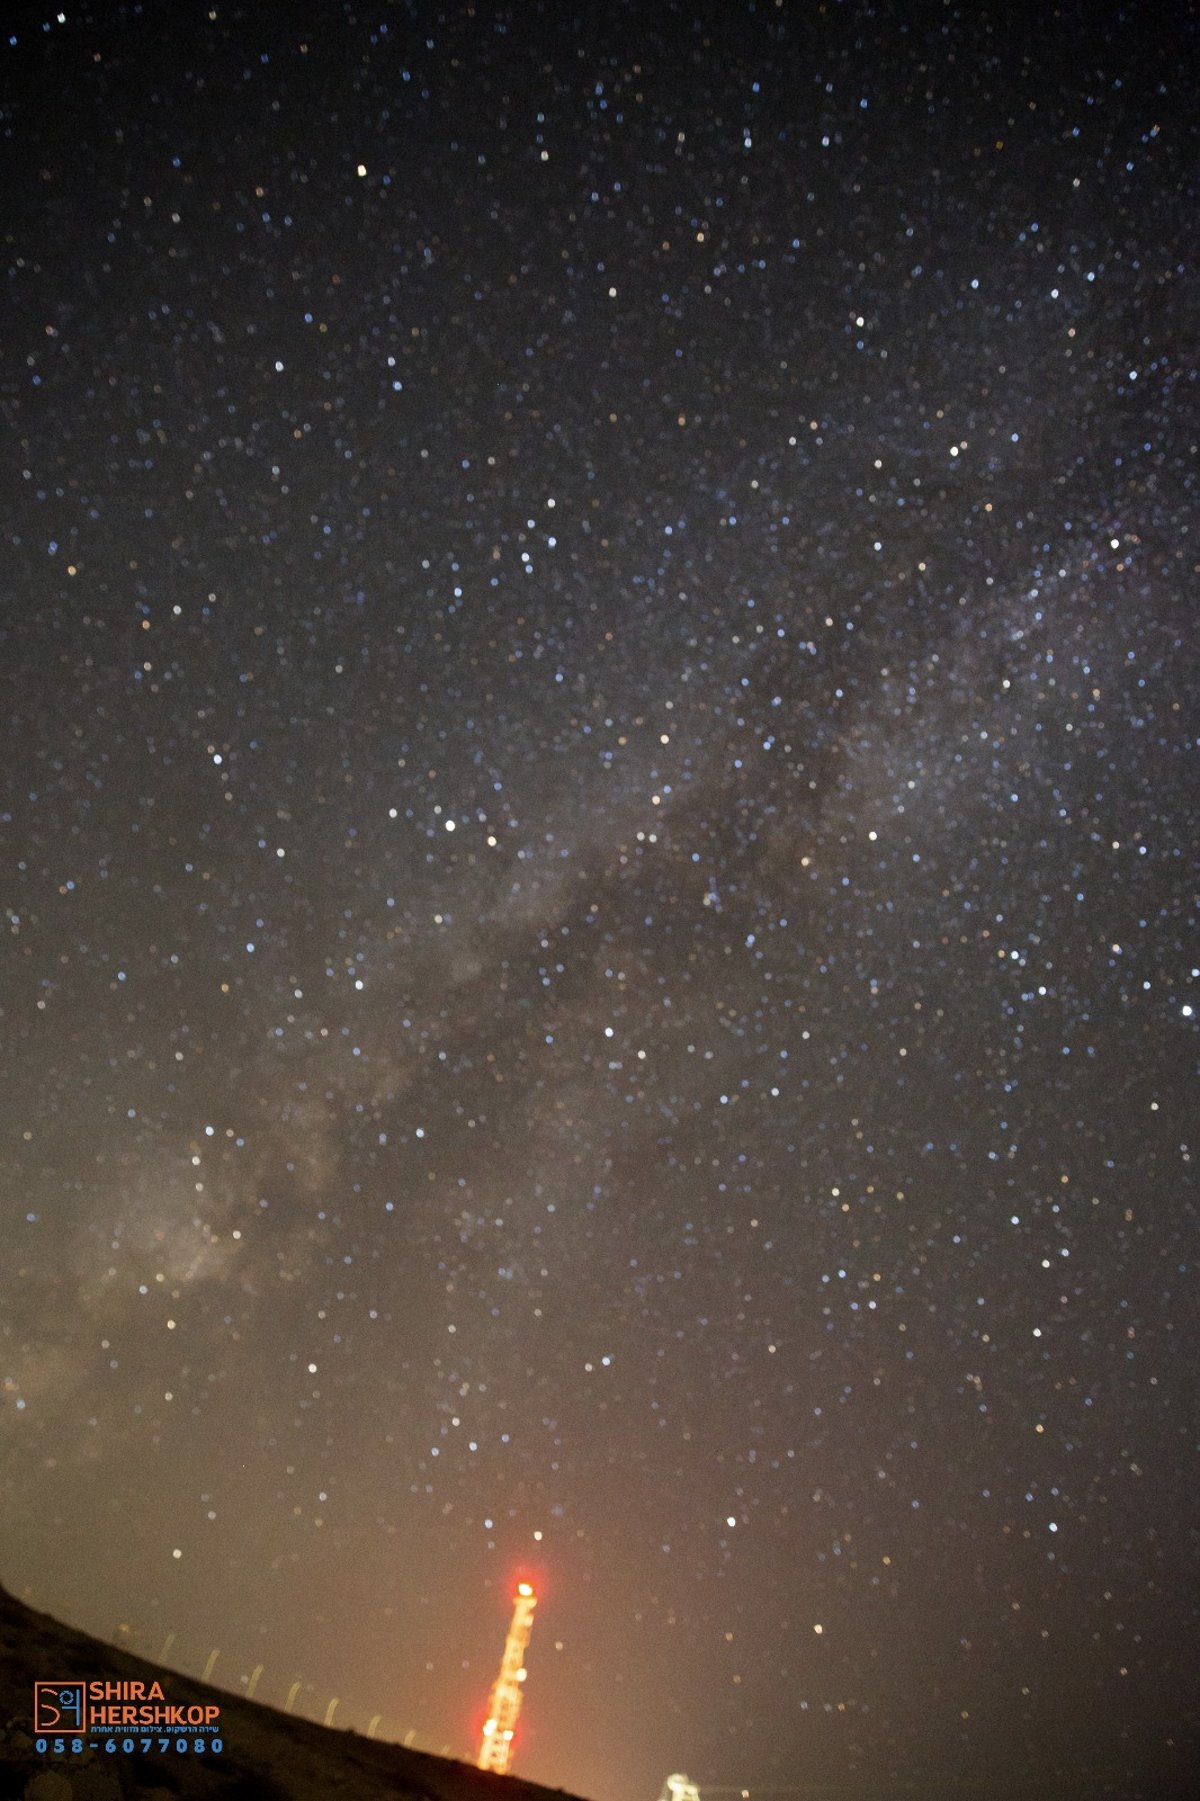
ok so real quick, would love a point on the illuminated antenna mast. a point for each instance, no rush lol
(505, 1704)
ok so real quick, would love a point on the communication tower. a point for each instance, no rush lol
(495, 1753)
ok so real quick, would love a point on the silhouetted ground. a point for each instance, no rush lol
(267, 1755)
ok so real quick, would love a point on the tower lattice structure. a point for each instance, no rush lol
(504, 1707)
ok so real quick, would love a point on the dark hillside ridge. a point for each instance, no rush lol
(267, 1755)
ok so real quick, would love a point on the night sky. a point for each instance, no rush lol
(597, 670)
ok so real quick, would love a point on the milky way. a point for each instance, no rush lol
(598, 859)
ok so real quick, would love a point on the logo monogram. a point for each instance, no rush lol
(59, 1707)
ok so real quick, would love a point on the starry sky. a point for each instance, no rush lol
(597, 860)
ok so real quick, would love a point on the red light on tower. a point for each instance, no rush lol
(504, 1704)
